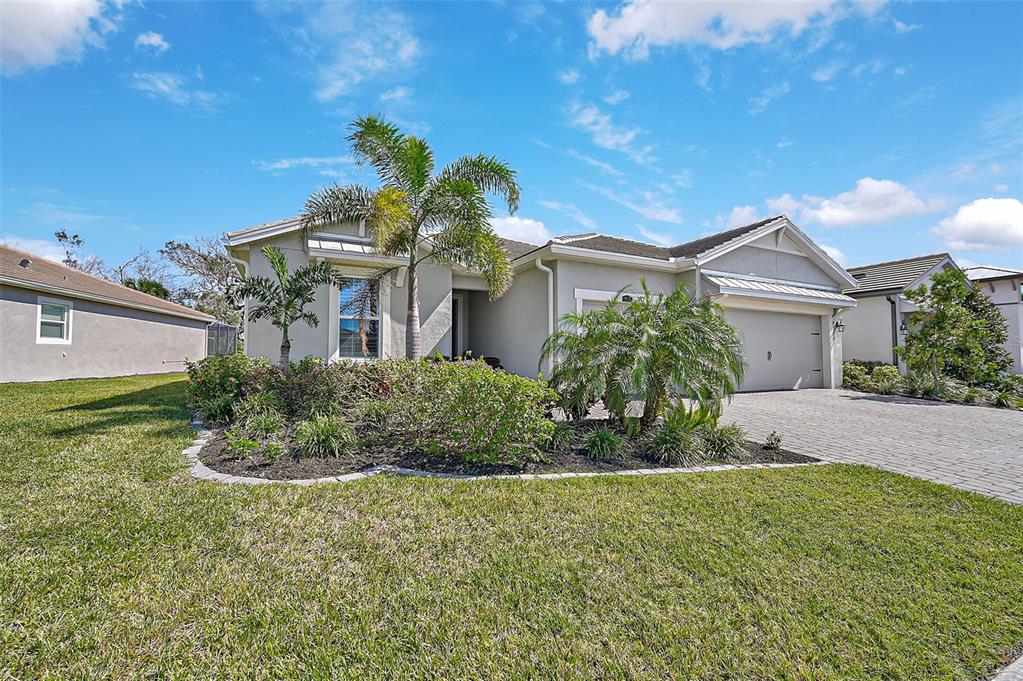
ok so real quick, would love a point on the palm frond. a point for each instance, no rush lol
(379, 143)
(338, 205)
(488, 173)
(415, 158)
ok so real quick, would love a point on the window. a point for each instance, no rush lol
(54, 321)
(359, 303)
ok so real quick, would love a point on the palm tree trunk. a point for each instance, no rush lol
(413, 334)
(285, 353)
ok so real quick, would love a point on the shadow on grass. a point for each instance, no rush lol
(163, 404)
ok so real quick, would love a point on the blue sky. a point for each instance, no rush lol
(883, 130)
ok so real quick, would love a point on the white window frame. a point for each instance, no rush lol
(378, 319)
(69, 308)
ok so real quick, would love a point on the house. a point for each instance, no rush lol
(878, 323)
(57, 322)
(1002, 286)
(782, 292)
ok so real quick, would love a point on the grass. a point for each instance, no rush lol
(115, 564)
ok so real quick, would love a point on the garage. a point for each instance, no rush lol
(782, 351)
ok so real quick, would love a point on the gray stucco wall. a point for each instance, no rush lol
(263, 340)
(513, 327)
(572, 275)
(1007, 297)
(768, 263)
(106, 340)
(868, 330)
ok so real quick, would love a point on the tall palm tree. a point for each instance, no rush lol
(654, 348)
(283, 301)
(446, 214)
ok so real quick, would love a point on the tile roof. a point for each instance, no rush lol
(613, 244)
(516, 249)
(894, 274)
(42, 272)
(692, 249)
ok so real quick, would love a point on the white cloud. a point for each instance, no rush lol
(784, 143)
(684, 178)
(984, 225)
(739, 216)
(606, 134)
(175, 89)
(396, 94)
(617, 97)
(52, 214)
(764, 99)
(649, 205)
(326, 165)
(41, 247)
(872, 201)
(835, 254)
(1001, 188)
(569, 76)
(346, 43)
(151, 41)
(572, 211)
(784, 204)
(42, 33)
(605, 168)
(655, 237)
(638, 25)
(521, 229)
(823, 74)
(901, 27)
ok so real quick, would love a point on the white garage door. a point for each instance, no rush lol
(782, 351)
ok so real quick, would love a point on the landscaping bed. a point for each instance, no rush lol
(216, 455)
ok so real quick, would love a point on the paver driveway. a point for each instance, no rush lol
(975, 448)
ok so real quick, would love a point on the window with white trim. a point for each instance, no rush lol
(359, 306)
(53, 324)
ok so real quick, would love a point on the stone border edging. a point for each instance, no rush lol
(197, 469)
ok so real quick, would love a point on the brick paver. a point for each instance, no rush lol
(975, 448)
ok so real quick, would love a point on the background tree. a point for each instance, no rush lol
(956, 332)
(209, 279)
(413, 205)
(150, 286)
(283, 302)
(654, 348)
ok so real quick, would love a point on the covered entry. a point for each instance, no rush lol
(782, 351)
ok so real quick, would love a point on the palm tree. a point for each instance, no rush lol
(446, 214)
(150, 286)
(283, 301)
(654, 348)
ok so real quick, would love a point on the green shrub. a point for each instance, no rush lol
(724, 443)
(604, 444)
(773, 442)
(561, 439)
(325, 436)
(885, 379)
(263, 426)
(263, 403)
(1004, 399)
(239, 445)
(682, 416)
(675, 445)
(273, 451)
(854, 376)
(215, 385)
(868, 365)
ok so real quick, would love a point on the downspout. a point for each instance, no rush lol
(895, 330)
(550, 303)
(244, 267)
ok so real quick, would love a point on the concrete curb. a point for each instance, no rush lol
(1014, 672)
(199, 470)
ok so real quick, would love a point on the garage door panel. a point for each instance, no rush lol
(781, 351)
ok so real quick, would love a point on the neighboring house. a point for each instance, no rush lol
(878, 324)
(57, 322)
(781, 291)
(1004, 288)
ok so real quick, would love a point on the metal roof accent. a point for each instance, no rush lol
(747, 286)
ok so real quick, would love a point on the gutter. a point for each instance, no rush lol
(550, 302)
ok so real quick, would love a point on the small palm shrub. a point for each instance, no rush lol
(854, 376)
(724, 443)
(604, 444)
(325, 436)
(561, 439)
(885, 379)
(675, 445)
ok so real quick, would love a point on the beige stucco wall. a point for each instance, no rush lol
(106, 340)
(513, 327)
(264, 340)
(868, 330)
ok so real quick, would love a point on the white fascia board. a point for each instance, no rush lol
(561, 251)
(788, 297)
(70, 293)
(258, 235)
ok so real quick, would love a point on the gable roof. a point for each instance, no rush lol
(894, 274)
(46, 275)
(614, 244)
(988, 272)
(697, 247)
(516, 249)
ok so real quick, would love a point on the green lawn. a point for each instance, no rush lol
(114, 563)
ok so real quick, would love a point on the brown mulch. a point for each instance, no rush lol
(216, 457)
